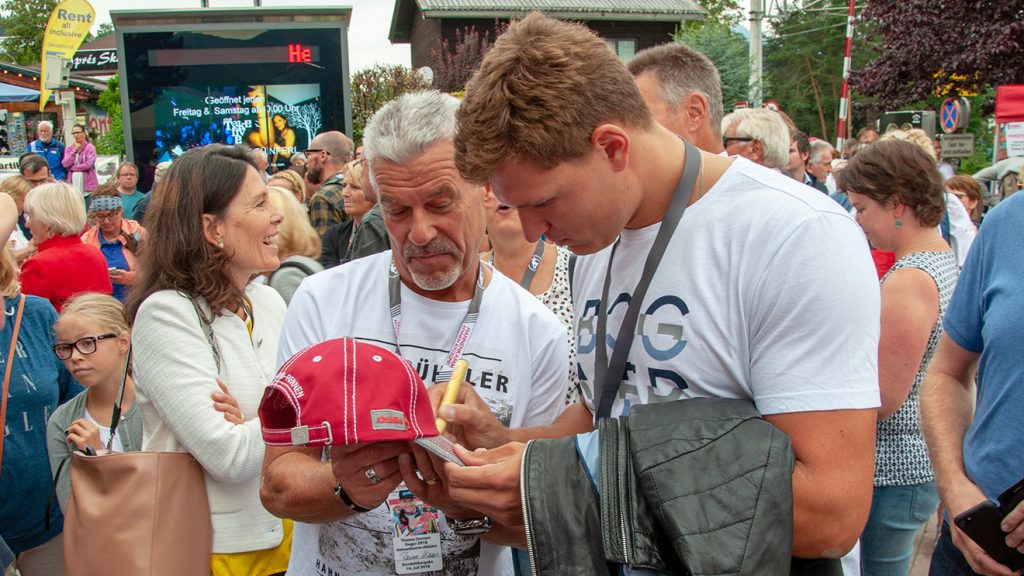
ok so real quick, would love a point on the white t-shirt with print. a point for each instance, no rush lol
(517, 355)
(766, 292)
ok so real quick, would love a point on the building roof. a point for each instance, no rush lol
(107, 42)
(28, 76)
(636, 10)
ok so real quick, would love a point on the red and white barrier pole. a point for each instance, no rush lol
(844, 101)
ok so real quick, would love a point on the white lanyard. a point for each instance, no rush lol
(465, 330)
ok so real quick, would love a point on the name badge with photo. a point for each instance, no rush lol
(417, 533)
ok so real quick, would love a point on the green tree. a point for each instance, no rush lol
(728, 51)
(105, 29)
(376, 86)
(24, 22)
(803, 59)
(725, 13)
(110, 100)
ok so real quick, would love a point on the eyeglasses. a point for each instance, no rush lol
(730, 139)
(315, 150)
(104, 216)
(84, 346)
(77, 132)
(40, 180)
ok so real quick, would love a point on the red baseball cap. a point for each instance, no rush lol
(343, 391)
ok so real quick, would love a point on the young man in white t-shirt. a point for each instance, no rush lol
(766, 291)
(421, 301)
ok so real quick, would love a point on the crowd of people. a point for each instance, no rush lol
(603, 245)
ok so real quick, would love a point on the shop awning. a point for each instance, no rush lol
(12, 93)
(1010, 103)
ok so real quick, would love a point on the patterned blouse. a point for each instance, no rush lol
(558, 299)
(901, 457)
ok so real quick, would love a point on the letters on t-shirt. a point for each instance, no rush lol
(659, 330)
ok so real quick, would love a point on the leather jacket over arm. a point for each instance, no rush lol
(698, 486)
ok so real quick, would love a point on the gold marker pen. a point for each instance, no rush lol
(452, 390)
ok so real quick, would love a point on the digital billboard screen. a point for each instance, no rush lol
(271, 88)
(282, 119)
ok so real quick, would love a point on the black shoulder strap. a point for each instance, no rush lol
(608, 374)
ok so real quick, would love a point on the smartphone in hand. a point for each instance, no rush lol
(982, 524)
(1009, 499)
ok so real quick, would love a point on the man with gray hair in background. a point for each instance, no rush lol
(47, 147)
(683, 90)
(819, 164)
(759, 135)
(435, 285)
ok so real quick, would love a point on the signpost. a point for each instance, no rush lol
(949, 116)
(957, 145)
(954, 115)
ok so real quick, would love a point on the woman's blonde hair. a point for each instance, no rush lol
(9, 284)
(915, 136)
(295, 235)
(16, 187)
(103, 309)
(294, 181)
(57, 206)
(355, 171)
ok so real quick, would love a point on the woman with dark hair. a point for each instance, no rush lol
(80, 161)
(968, 191)
(116, 237)
(898, 194)
(283, 142)
(202, 329)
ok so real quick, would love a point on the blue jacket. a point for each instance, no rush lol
(39, 383)
(53, 151)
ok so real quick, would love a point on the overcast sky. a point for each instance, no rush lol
(367, 36)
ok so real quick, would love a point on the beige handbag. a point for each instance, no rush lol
(136, 513)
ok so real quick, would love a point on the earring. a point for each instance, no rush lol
(221, 244)
(899, 224)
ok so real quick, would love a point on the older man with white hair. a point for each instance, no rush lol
(819, 164)
(47, 147)
(759, 135)
(432, 288)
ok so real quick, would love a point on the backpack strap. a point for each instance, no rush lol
(295, 264)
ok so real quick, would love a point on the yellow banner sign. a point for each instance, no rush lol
(69, 24)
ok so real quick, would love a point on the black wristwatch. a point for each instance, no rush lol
(472, 527)
(340, 492)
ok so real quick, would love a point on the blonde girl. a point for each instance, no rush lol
(92, 339)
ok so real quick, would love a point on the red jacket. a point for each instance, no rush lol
(63, 267)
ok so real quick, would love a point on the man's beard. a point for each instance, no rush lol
(314, 172)
(437, 280)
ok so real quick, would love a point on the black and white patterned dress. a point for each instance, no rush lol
(901, 457)
(558, 299)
